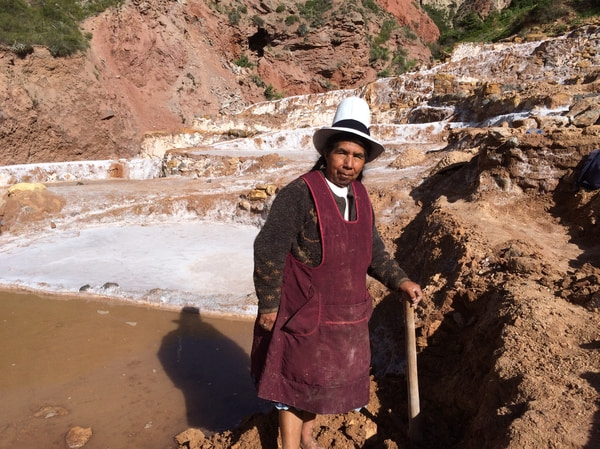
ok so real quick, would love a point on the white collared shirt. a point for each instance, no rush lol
(342, 192)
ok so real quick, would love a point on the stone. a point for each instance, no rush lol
(78, 436)
(257, 195)
(107, 114)
(453, 160)
(25, 187)
(271, 189)
(190, 438)
(50, 411)
(585, 112)
(245, 205)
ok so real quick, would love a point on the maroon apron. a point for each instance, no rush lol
(317, 357)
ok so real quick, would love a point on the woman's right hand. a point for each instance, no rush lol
(267, 320)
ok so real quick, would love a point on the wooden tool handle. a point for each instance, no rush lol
(412, 380)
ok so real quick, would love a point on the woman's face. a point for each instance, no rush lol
(345, 162)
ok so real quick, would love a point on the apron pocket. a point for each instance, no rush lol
(305, 320)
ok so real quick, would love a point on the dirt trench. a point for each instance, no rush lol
(508, 340)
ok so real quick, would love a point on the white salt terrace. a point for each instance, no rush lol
(166, 261)
(101, 246)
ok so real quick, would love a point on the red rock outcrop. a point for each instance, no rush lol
(156, 65)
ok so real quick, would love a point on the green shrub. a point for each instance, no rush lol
(65, 45)
(400, 63)
(54, 25)
(314, 9)
(378, 53)
(243, 61)
(258, 21)
(327, 85)
(385, 33)
(272, 94)
(257, 80)
(439, 17)
(234, 16)
(290, 20)
(548, 13)
(302, 30)
(21, 49)
(587, 8)
(410, 34)
(471, 21)
(371, 5)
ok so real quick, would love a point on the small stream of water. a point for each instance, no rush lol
(137, 376)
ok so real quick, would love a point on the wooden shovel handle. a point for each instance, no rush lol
(411, 373)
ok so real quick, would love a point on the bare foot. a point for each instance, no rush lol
(310, 444)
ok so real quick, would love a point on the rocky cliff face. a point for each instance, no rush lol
(156, 65)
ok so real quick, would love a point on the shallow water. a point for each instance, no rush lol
(136, 376)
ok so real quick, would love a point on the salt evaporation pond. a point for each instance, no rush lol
(136, 375)
(171, 265)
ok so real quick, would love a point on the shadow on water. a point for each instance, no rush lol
(212, 372)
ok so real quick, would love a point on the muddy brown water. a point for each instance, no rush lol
(137, 376)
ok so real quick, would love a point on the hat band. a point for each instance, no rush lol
(352, 124)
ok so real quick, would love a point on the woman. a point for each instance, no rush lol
(311, 351)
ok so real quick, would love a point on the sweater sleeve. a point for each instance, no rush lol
(289, 211)
(383, 267)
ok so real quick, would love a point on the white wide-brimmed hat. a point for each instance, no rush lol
(352, 116)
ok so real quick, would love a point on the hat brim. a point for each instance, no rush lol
(321, 136)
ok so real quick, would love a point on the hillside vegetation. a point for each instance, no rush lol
(56, 25)
(521, 17)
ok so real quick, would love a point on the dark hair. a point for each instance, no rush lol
(321, 163)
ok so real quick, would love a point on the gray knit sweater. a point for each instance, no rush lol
(292, 226)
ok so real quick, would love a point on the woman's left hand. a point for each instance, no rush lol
(412, 292)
